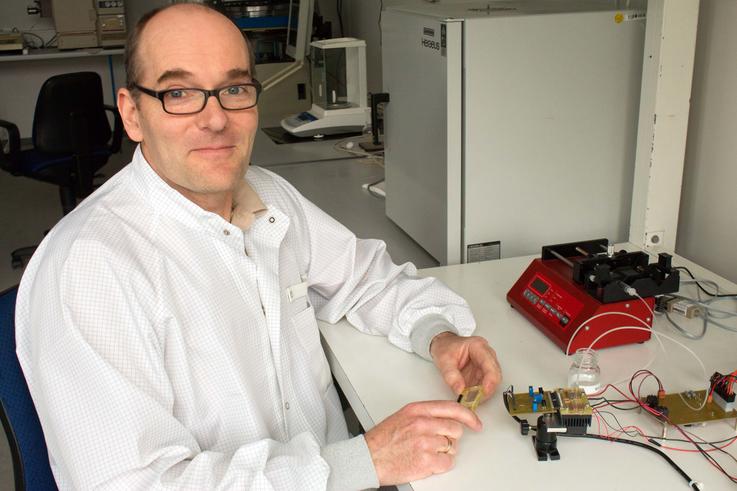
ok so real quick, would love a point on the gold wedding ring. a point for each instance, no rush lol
(448, 445)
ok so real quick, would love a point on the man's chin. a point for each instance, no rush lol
(221, 173)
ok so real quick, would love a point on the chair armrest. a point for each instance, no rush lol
(117, 129)
(8, 159)
(13, 135)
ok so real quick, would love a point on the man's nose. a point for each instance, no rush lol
(213, 116)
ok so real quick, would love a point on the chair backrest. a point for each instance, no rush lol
(62, 99)
(18, 415)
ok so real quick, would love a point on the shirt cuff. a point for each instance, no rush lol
(425, 329)
(351, 466)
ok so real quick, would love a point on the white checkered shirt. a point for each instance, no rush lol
(166, 348)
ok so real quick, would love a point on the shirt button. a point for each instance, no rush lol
(272, 219)
(226, 232)
(286, 406)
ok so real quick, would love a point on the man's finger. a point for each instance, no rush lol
(490, 383)
(454, 379)
(448, 409)
(491, 380)
(448, 427)
(442, 462)
(486, 360)
(445, 444)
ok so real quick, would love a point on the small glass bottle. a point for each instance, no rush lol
(584, 371)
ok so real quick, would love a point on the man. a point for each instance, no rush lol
(167, 326)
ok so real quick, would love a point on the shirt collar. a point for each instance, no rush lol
(246, 206)
(246, 202)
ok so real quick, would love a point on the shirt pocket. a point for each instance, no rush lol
(308, 335)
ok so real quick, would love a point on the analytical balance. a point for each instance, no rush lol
(339, 105)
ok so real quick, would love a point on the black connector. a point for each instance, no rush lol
(652, 402)
(722, 386)
(661, 303)
(524, 427)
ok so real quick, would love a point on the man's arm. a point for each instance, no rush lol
(356, 278)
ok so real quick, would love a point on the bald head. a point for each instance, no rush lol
(185, 22)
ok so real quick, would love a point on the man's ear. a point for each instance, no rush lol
(130, 115)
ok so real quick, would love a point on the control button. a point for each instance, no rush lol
(564, 320)
(530, 296)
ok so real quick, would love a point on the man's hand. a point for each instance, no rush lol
(465, 362)
(419, 440)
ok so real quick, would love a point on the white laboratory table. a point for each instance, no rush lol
(378, 379)
(266, 153)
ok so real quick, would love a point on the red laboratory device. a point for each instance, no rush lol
(578, 291)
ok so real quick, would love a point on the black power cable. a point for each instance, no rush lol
(715, 295)
(693, 484)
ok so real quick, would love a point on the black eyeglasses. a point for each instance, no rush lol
(191, 101)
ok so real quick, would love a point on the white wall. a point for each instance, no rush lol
(707, 228)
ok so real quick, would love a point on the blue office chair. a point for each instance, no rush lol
(19, 418)
(72, 140)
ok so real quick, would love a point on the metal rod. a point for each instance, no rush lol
(562, 258)
(585, 253)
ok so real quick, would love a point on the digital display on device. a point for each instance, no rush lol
(540, 286)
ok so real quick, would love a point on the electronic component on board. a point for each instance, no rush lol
(471, 397)
(723, 393)
(566, 412)
(570, 403)
(678, 408)
(563, 411)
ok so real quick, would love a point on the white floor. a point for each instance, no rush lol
(29, 208)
